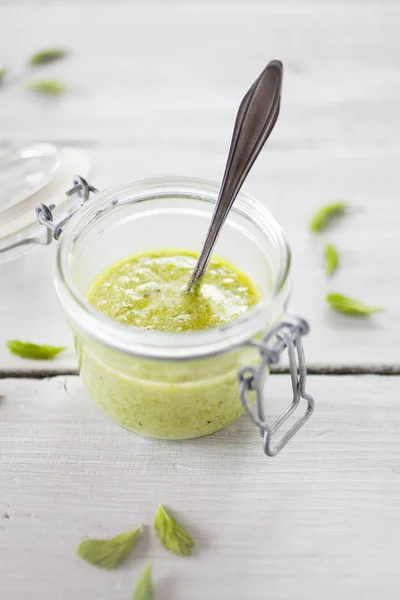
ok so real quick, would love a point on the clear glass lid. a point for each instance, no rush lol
(29, 175)
(24, 172)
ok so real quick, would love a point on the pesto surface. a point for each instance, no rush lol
(148, 291)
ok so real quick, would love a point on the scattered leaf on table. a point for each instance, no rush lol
(331, 259)
(46, 56)
(326, 214)
(35, 351)
(144, 588)
(349, 306)
(172, 536)
(51, 87)
(108, 554)
(2, 74)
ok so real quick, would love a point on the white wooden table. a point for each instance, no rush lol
(153, 90)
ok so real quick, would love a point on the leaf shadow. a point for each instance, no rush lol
(352, 322)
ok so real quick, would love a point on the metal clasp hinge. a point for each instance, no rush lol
(44, 213)
(287, 334)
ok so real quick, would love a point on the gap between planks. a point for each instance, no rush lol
(385, 370)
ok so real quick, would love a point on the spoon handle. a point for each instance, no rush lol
(255, 120)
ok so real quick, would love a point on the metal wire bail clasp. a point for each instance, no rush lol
(287, 334)
(44, 213)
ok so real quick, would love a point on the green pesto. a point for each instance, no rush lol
(148, 291)
(160, 398)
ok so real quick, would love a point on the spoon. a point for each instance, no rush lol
(255, 120)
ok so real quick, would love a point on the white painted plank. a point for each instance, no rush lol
(176, 73)
(322, 520)
(220, 5)
(292, 185)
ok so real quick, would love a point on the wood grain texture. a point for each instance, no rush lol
(322, 520)
(153, 90)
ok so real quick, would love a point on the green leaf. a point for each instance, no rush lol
(35, 351)
(46, 56)
(108, 554)
(326, 214)
(2, 74)
(144, 588)
(51, 87)
(349, 306)
(172, 536)
(331, 259)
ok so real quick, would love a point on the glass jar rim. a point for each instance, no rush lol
(159, 344)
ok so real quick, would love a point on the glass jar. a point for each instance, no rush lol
(169, 385)
(187, 384)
